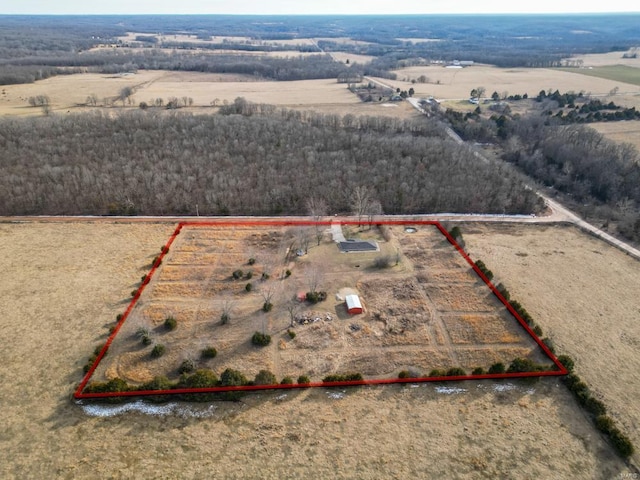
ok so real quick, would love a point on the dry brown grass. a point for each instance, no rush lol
(62, 286)
(621, 132)
(584, 294)
(69, 93)
(407, 323)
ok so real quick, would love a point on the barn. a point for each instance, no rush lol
(354, 306)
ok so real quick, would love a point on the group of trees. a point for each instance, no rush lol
(599, 178)
(160, 163)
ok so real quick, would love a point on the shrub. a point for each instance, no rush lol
(595, 406)
(347, 377)
(567, 362)
(570, 380)
(265, 276)
(478, 371)
(455, 372)
(621, 443)
(249, 275)
(605, 424)
(287, 274)
(202, 378)
(187, 366)
(237, 274)
(133, 293)
(537, 330)
(291, 334)
(156, 261)
(436, 372)
(158, 350)
(267, 306)
(520, 365)
(144, 335)
(315, 297)
(158, 383)
(456, 234)
(383, 261)
(261, 339)
(248, 287)
(224, 318)
(170, 323)
(287, 381)
(251, 261)
(265, 377)
(549, 343)
(497, 368)
(503, 291)
(232, 378)
(483, 268)
(209, 352)
(119, 317)
(303, 380)
(404, 374)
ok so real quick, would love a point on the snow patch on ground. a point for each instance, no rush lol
(139, 406)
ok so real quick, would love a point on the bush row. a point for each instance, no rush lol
(201, 378)
(347, 377)
(597, 410)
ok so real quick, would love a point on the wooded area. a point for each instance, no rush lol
(34, 47)
(250, 163)
(599, 178)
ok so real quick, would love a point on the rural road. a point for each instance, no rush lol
(559, 213)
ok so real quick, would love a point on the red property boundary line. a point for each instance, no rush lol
(79, 394)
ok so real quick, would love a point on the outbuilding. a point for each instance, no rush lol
(354, 306)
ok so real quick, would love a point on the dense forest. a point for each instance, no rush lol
(35, 47)
(251, 160)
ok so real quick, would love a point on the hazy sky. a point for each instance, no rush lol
(312, 6)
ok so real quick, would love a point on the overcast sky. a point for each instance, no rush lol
(274, 7)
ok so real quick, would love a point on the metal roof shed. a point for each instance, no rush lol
(354, 306)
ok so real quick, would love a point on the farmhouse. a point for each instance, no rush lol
(354, 307)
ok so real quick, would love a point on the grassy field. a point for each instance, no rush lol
(622, 132)
(590, 306)
(617, 73)
(65, 283)
(69, 93)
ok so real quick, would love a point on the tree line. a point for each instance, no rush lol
(248, 163)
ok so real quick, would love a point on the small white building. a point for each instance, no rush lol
(354, 306)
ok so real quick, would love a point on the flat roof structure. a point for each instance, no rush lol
(358, 246)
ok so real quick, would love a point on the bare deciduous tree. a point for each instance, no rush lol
(314, 275)
(360, 200)
(226, 306)
(317, 208)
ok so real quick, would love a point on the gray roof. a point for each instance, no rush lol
(358, 246)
